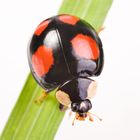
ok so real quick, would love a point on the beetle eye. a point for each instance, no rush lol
(87, 101)
(75, 107)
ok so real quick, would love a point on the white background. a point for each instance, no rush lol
(118, 96)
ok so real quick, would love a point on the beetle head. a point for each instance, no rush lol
(81, 109)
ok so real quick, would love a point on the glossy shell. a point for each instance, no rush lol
(64, 47)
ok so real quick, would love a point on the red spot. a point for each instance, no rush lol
(41, 27)
(69, 19)
(85, 46)
(42, 60)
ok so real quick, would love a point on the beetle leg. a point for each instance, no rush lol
(41, 98)
(101, 29)
(62, 107)
(70, 113)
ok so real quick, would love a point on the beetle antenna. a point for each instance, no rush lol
(100, 119)
(74, 119)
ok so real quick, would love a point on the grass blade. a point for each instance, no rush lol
(31, 122)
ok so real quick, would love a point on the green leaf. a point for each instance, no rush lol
(29, 121)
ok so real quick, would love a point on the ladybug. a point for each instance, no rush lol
(64, 52)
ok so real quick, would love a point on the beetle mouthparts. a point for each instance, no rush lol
(83, 116)
(80, 117)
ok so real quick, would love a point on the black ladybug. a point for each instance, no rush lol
(64, 52)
